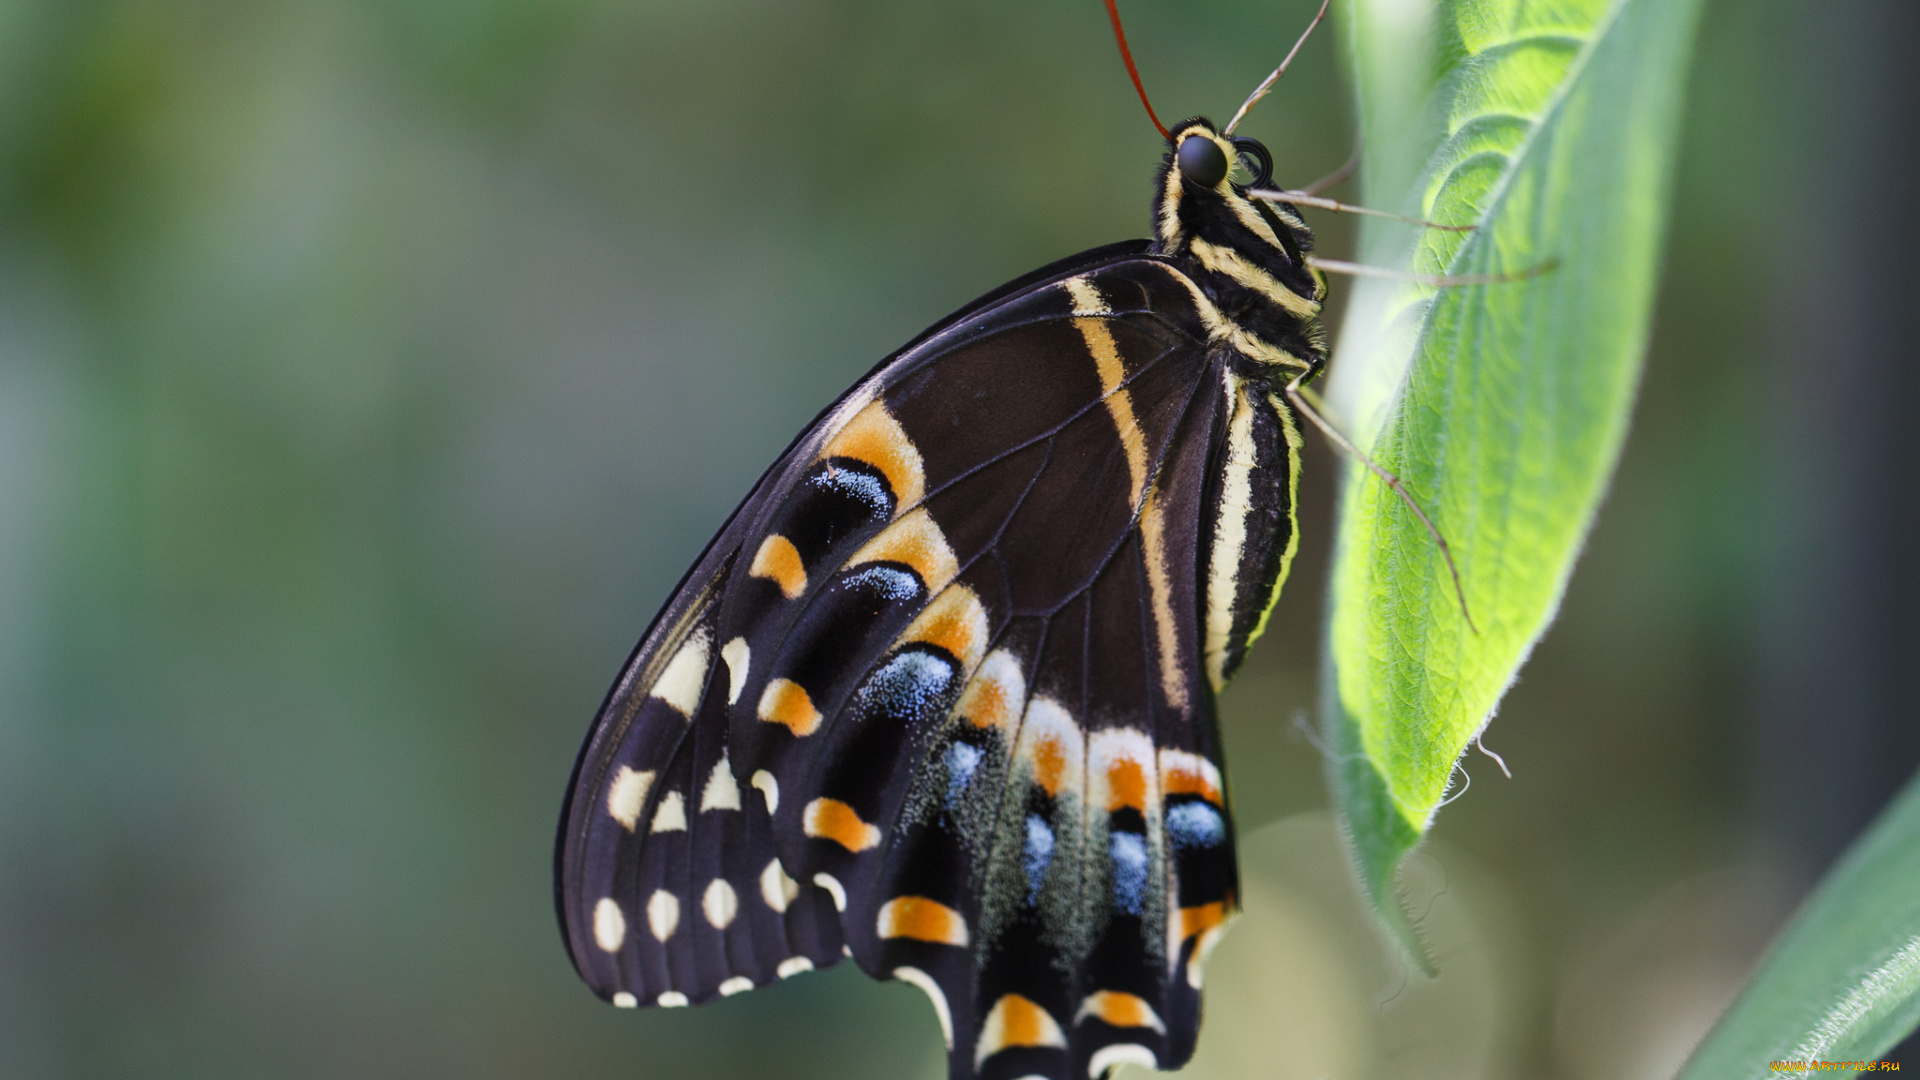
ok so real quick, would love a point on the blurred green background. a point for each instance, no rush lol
(370, 369)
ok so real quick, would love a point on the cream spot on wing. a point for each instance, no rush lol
(739, 984)
(956, 622)
(779, 562)
(739, 658)
(793, 965)
(609, 926)
(1016, 1021)
(626, 795)
(914, 540)
(786, 702)
(1113, 372)
(1086, 296)
(1120, 1009)
(680, 685)
(915, 977)
(624, 1000)
(831, 819)
(875, 437)
(769, 789)
(671, 814)
(1108, 1057)
(922, 919)
(1173, 682)
(663, 914)
(672, 999)
(719, 903)
(834, 889)
(996, 694)
(722, 791)
(1051, 746)
(776, 888)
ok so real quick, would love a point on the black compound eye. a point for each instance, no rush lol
(1201, 161)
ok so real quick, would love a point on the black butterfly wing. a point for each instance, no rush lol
(938, 690)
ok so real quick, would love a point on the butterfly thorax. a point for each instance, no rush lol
(1247, 258)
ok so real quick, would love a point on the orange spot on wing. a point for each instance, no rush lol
(786, 702)
(1183, 773)
(995, 694)
(1049, 764)
(875, 437)
(922, 919)
(831, 819)
(916, 541)
(955, 622)
(1199, 920)
(1121, 1010)
(1126, 785)
(779, 561)
(1016, 1021)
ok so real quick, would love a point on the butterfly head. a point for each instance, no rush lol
(1198, 198)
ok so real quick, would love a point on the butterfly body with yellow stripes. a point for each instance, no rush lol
(939, 696)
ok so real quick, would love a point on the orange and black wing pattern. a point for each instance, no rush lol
(940, 694)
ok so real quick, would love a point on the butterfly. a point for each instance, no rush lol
(939, 696)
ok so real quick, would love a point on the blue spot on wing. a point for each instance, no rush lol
(908, 686)
(1195, 825)
(887, 582)
(1036, 856)
(961, 761)
(865, 487)
(1129, 851)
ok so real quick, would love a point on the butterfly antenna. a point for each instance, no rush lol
(1126, 54)
(1267, 84)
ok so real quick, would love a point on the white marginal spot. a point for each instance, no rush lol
(624, 1000)
(769, 789)
(720, 903)
(609, 926)
(1202, 949)
(739, 984)
(776, 888)
(672, 999)
(793, 965)
(722, 791)
(834, 889)
(680, 685)
(1119, 1054)
(663, 914)
(738, 658)
(671, 814)
(915, 977)
(627, 794)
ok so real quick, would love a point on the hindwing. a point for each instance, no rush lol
(940, 692)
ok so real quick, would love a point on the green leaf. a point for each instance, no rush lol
(1551, 126)
(1843, 981)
